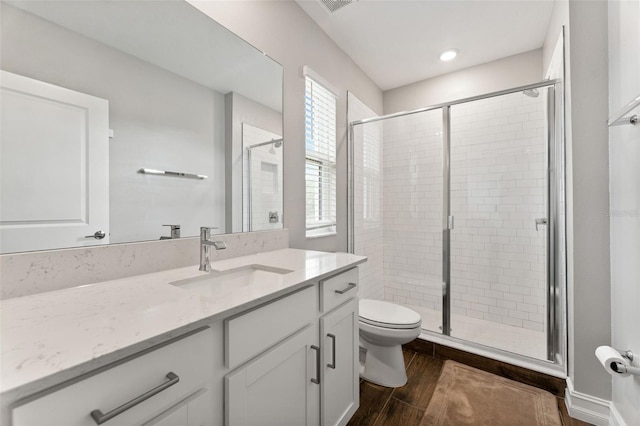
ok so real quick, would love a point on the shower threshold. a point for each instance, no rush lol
(505, 338)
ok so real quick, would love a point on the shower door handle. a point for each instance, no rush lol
(540, 221)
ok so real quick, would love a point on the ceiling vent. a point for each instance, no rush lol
(334, 5)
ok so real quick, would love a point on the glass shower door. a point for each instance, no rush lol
(398, 210)
(499, 208)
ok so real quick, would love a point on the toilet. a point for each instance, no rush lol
(384, 327)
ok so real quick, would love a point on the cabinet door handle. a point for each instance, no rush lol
(100, 418)
(332, 364)
(347, 288)
(317, 378)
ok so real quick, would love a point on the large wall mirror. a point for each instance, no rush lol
(133, 120)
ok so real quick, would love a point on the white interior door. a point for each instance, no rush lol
(54, 166)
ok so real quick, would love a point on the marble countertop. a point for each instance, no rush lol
(51, 337)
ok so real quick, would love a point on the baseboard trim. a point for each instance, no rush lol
(616, 419)
(587, 408)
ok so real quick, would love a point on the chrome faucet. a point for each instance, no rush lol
(205, 244)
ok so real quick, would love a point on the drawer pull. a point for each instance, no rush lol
(347, 288)
(332, 364)
(316, 380)
(100, 418)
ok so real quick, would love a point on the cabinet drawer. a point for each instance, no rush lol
(338, 289)
(251, 333)
(182, 367)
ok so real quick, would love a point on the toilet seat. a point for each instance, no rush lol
(388, 315)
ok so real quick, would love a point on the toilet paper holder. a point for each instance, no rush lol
(624, 369)
(626, 354)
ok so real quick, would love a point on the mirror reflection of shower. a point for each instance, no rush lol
(275, 143)
(262, 191)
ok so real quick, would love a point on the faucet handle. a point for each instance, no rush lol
(205, 232)
(175, 230)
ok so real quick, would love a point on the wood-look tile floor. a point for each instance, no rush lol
(405, 406)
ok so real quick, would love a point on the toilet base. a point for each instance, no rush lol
(383, 365)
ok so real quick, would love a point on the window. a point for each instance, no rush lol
(320, 164)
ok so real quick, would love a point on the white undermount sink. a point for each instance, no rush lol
(220, 282)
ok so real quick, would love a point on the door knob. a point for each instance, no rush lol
(98, 235)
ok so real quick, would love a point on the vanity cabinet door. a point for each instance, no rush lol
(340, 379)
(279, 387)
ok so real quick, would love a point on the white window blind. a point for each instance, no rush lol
(320, 165)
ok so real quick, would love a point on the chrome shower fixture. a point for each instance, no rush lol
(532, 93)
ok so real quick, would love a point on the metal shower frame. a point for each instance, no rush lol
(555, 315)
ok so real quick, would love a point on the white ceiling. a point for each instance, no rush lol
(397, 42)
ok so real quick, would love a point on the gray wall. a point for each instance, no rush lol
(286, 33)
(588, 196)
(589, 307)
(513, 71)
(624, 210)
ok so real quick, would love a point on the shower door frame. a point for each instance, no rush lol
(555, 316)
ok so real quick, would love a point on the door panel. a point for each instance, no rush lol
(499, 241)
(63, 196)
(276, 388)
(340, 387)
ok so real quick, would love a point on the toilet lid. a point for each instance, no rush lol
(388, 315)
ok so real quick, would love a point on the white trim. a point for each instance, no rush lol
(585, 407)
(308, 72)
(615, 418)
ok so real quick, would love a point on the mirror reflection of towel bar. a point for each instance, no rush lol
(169, 173)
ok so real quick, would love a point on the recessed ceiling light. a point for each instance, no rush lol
(448, 54)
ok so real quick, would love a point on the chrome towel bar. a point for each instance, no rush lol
(620, 119)
(169, 173)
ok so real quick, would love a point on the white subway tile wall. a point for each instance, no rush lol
(412, 209)
(367, 199)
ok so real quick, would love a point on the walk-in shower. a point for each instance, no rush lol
(459, 208)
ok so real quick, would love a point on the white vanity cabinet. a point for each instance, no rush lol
(174, 377)
(279, 385)
(340, 375)
(304, 365)
(279, 388)
(290, 361)
(339, 339)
